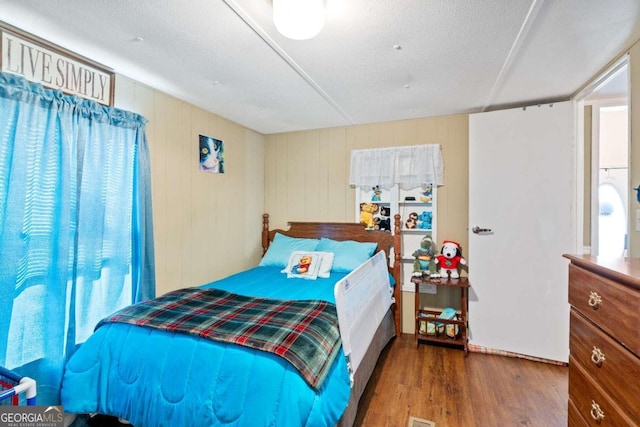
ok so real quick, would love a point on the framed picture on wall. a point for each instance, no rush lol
(211, 154)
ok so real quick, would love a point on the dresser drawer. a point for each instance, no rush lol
(610, 305)
(591, 401)
(611, 366)
(574, 417)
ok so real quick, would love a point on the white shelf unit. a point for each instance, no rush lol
(395, 201)
(385, 200)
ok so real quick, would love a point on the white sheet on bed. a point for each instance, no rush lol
(363, 298)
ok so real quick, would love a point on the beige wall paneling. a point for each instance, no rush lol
(294, 176)
(301, 170)
(276, 174)
(333, 149)
(125, 91)
(270, 179)
(287, 184)
(315, 197)
(254, 199)
(182, 198)
(197, 231)
(176, 158)
(161, 146)
(206, 188)
(452, 132)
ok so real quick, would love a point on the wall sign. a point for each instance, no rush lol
(54, 67)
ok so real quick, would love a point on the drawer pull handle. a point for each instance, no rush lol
(594, 299)
(596, 412)
(597, 356)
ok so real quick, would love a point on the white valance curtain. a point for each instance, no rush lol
(409, 167)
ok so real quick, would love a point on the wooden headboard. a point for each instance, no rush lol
(348, 231)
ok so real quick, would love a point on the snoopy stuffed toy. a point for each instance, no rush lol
(449, 259)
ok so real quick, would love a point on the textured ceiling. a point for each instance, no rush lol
(374, 60)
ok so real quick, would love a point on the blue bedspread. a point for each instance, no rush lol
(156, 378)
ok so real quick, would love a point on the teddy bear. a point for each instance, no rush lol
(366, 214)
(424, 258)
(449, 259)
(412, 221)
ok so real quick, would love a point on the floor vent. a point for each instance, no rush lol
(418, 422)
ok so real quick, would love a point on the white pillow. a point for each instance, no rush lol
(317, 264)
(327, 264)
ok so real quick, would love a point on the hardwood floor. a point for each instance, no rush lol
(441, 385)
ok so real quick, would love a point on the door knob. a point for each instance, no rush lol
(478, 230)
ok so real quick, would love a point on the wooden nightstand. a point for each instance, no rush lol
(430, 328)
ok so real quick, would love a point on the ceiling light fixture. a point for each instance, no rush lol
(298, 19)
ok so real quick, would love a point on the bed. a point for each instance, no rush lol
(161, 376)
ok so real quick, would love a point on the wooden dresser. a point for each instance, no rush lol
(604, 360)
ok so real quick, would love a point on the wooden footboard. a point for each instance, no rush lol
(390, 243)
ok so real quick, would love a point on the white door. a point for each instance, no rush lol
(521, 187)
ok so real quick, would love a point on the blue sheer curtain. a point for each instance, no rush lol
(76, 238)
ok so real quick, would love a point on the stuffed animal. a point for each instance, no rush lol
(377, 194)
(424, 220)
(425, 196)
(424, 258)
(366, 214)
(383, 221)
(412, 221)
(381, 224)
(449, 259)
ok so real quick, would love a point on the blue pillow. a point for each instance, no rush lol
(348, 254)
(281, 247)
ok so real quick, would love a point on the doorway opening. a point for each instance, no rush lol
(606, 149)
(613, 179)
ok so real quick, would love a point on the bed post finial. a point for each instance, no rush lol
(265, 233)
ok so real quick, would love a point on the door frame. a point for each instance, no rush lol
(579, 101)
(596, 107)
